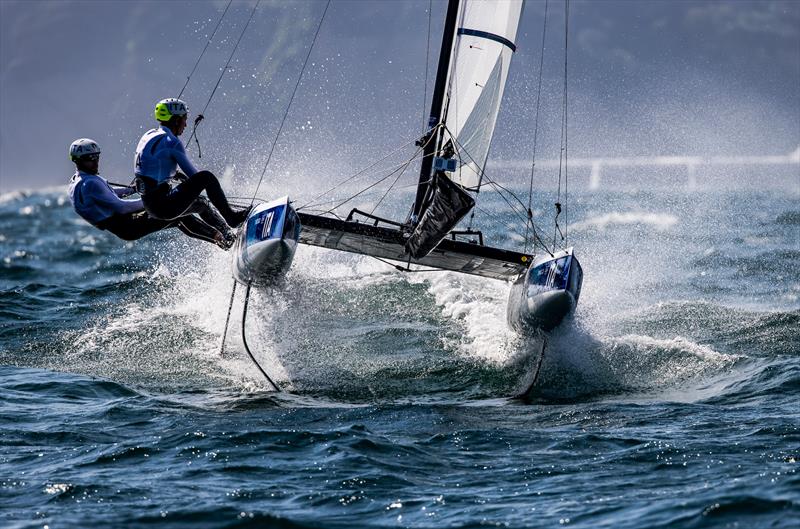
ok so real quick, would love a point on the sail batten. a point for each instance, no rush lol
(486, 35)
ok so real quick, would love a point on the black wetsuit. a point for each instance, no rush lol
(165, 201)
(133, 226)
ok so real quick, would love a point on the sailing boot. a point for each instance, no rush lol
(237, 218)
(225, 240)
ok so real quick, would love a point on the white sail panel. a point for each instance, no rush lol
(482, 51)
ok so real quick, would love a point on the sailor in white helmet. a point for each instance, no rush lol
(166, 193)
(105, 207)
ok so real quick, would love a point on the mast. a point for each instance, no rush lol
(432, 144)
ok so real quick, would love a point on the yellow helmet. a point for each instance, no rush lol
(166, 108)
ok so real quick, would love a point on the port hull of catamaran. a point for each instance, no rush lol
(547, 293)
(265, 247)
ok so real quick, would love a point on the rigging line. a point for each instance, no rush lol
(362, 171)
(199, 117)
(566, 127)
(407, 268)
(219, 22)
(459, 148)
(498, 219)
(308, 208)
(513, 229)
(365, 189)
(535, 231)
(291, 99)
(513, 207)
(562, 153)
(427, 60)
(500, 188)
(392, 170)
(401, 173)
(536, 122)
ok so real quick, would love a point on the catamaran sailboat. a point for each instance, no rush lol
(477, 46)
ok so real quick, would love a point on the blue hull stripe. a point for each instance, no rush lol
(487, 35)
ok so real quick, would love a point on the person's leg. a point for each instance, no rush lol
(197, 229)
(134, 226)
(205, 180)
(209, 214)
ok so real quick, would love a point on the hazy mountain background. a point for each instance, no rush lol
(645, 78)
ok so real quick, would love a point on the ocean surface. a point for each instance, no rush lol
(670, 400)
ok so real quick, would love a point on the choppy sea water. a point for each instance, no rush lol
(671, 400)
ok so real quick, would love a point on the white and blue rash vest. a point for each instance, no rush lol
(159, 154)
(95, 200)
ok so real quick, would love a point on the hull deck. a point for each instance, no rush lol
(389, 243)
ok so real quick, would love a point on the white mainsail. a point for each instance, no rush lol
(482, 51)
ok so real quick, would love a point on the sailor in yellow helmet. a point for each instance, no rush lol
(166, 193)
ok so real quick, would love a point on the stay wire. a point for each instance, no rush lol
(291, 100)
(566, 126)
(312, 207)
(200, 117)
(500, 188)
(427, 60)
(536, 123)
(310, 203)
(400, 169)
(213, 33)
(420, 149)
(400, 174)
(562, 158)
(460, 148)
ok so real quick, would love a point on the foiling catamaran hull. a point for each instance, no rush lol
(265, 247)
(548, 292)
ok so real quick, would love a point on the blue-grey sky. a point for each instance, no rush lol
(645, 78)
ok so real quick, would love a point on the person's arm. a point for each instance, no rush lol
(104, 195)
(183, 161)
(123, 192)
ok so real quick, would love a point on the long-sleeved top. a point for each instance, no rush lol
(95, 200)
(158, 155)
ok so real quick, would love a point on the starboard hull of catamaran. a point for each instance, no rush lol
(265, 247)
(546, 294)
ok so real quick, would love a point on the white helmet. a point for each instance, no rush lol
(166, 108)
(82, 147)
